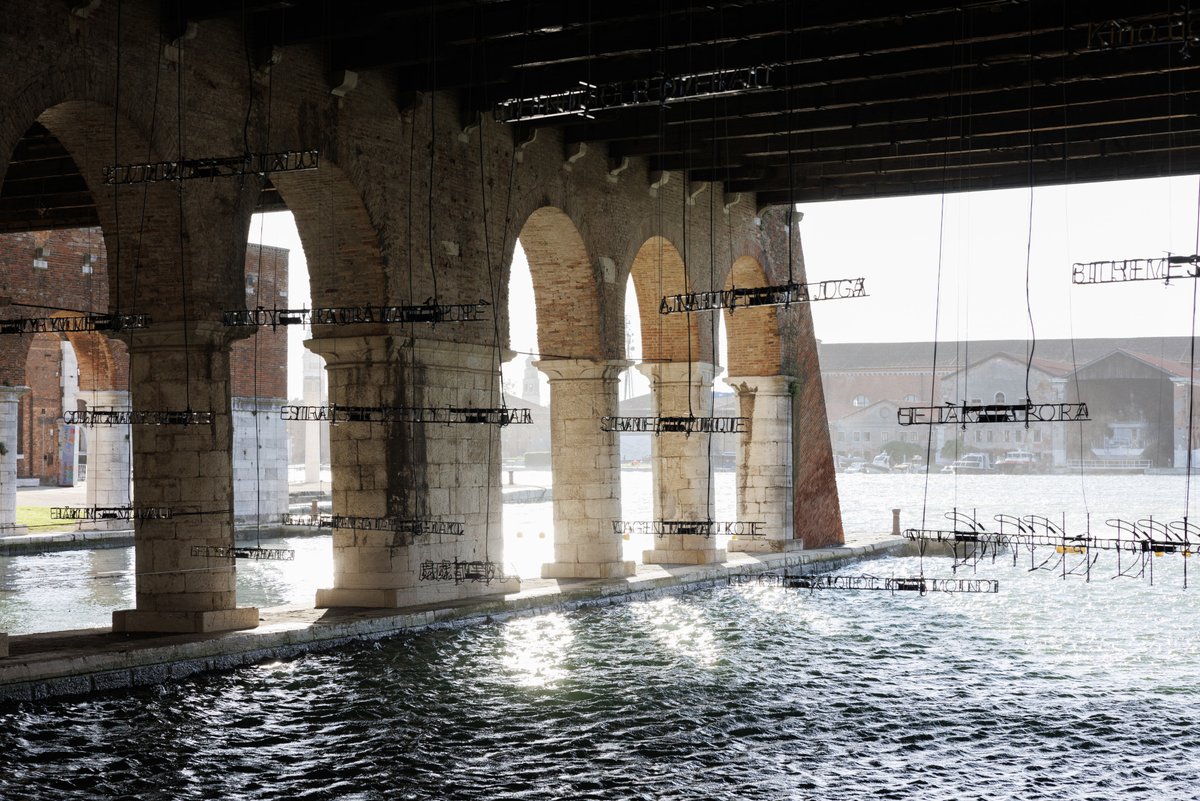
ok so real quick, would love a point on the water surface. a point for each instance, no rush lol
(1050, 689)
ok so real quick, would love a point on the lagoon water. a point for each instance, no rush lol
(1051, 689)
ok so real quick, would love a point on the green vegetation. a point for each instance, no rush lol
(38, 518)
(900, 452)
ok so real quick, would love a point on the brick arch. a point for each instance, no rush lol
(753, 334)
(103, 362)
(74, 104)
(85, 128)
(658, 271)
(564, 286)
(341, 243)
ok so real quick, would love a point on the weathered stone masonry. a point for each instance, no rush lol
(374, 232)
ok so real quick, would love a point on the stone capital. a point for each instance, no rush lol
(12, 394)
(115, 398)
(766, 385)
(172, 336)
(581, 369)
(347, 351)
(660, 373)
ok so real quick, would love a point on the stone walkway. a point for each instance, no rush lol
(95, 660)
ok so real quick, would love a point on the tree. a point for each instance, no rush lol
(899, 452)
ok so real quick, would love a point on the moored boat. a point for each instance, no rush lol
(971, 464)
(1017, 462)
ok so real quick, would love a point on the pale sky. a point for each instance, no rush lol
(894, 244)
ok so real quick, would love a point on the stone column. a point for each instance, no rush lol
(586, 463)
(314, 395)
(260, 487)
(9, 400)
(1179, 393)
(413, 471)
(189, 470)
(683, 488)
(108, 475)
(1058, 431)
(764, 468)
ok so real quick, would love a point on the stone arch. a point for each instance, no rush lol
(658, 271)
(102, 365)
(40, 409)
(95, 138)
(341, 242)
(753, 334)
(103, 362)
(564, 287)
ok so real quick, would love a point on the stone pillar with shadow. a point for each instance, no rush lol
(188, 469)
(683, 487)
(9, 404)
(764, 465)
(436, 476)
(109, 451)
(587, 469)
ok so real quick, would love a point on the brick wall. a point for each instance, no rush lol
(263, 356)
(74, 278)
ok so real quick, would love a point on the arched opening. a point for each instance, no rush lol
(679, 359)
(753, 344)
(277, 462)
(525, 449)
(67, 373)
(54, 263)
(557, 318)
(658, 271)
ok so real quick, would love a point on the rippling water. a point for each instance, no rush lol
(1049, 690)
(80, 589)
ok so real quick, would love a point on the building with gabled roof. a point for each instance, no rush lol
(1136, 391)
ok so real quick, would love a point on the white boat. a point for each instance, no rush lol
(880, 464)
(971, 464)
(1017, 462)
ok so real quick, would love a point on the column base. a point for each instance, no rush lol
(401, 597)
(588, 570)
(758, 545)
(3, 645)
(128, 621)
(683, 549)
(14, 531)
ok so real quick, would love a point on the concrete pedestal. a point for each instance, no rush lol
(683, 488)
(587, 469)
(109, 451)
(188, 469)
(9, 401)
(764, 466)
(413, 471)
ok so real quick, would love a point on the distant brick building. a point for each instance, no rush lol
(57, 273)
(1136, 391)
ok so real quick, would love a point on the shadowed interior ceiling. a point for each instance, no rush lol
(861, 99)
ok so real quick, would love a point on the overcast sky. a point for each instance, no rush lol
(983, 239)
(895, 244)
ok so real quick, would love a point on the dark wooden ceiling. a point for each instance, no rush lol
(867, 99)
